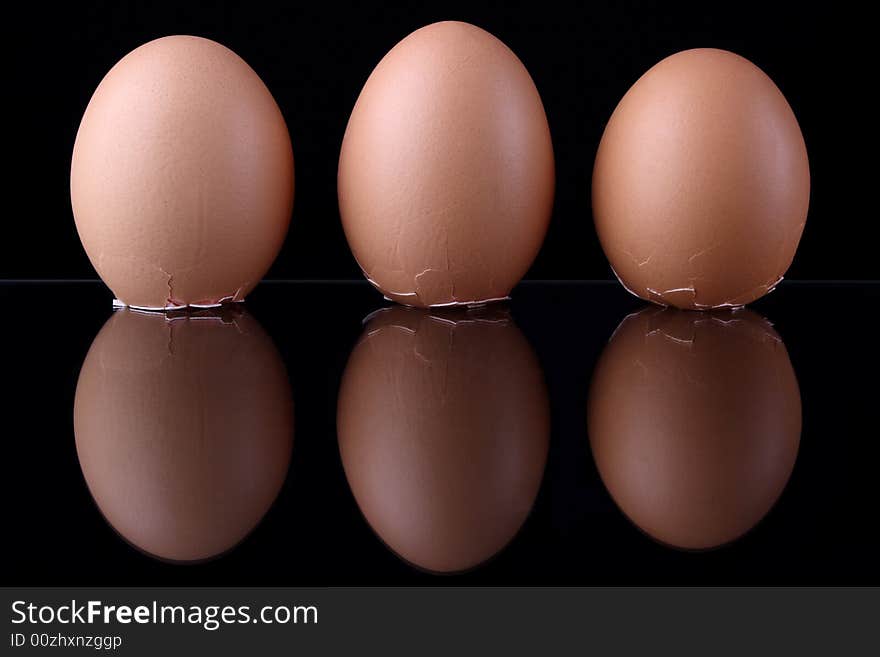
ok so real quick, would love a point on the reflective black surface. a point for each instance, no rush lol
(814, 522)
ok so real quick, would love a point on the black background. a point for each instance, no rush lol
(315, 57)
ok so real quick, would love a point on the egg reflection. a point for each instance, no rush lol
(443, 424)
(184, 429)
(694, 423)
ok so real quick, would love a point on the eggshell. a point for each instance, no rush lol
(184, 430)
(443, 426)
(446, 174)
(701, 183)
(182, 176)
(694, 423)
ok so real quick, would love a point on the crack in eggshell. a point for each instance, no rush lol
(661, 297)
(703, 252)
(172, 303)
(424, 289)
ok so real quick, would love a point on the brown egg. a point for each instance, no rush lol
(184, 429)
(182, 176)
(694, 423)
(443, 425)
(446, 174)
(701, 183)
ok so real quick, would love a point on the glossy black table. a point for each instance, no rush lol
(547, 518)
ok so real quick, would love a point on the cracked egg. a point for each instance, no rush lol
(694, 423)
(446, 173)
(182, 176)
(701, 183)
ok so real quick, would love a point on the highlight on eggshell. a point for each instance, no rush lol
(182, 176)
(446, 174)
(701, 183)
